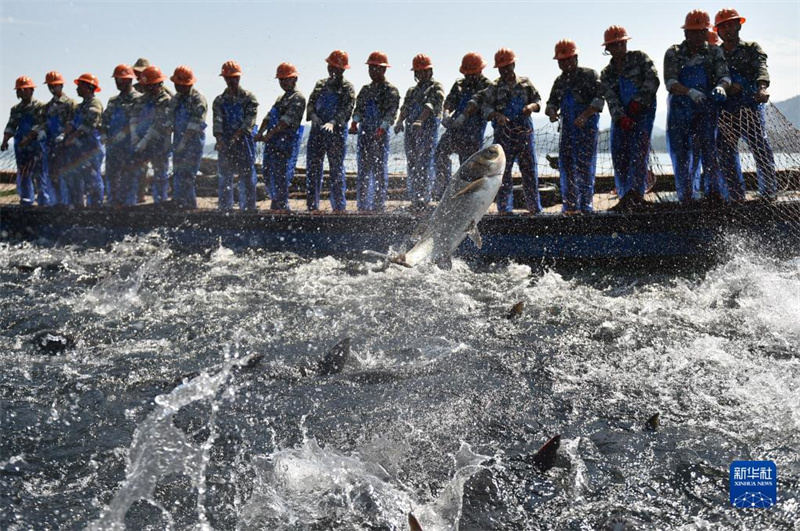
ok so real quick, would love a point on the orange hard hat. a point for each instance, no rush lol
(615, 34)
(183, 75)
(123, 71)
(53, 78)
(565, 49)
(697, 19)
(339, 59)
(472, 63)
(724, 15)
(24, 82)
(378, 59)
(152, 75)
(286, 70)
(231, 69)
(504, 57)
(713, 38)
(421, 62)
(91, 79)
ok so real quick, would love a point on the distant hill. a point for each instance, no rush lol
(791, 109)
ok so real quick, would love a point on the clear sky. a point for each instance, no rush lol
(94, 36)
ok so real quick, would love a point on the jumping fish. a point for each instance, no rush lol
(468, 196)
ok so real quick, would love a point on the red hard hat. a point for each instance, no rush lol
(287, 70)
(339, 59)
(378, 59)
(53, 78)
(231, 69)
(24, 82)
(472, 63)
(152, 75)
(421, 62)
(123, 71)
(615, 34)
(504, 57)
(697, 19)
(183, 75)
(724, 15)
(565, 48)
(91, 79)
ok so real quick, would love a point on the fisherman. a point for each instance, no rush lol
(421, 113)
(152, 125)
(375, 111)
(576, 98)
(121, 175)
(281, 131)
(57, 114)
(696, 76)
(187, 113)
(235, 113)
(743, 114)
(508, 104)
(467, 139)
(630, 82)
(329, 108)
(24, 124)
(84, 147)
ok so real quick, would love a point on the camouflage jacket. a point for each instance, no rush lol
(58, 111)
(498, 97)
(152, 121)
(196, 106)
(640, 71)
(35, 109)
(386, 99)
(711, 57)
(463, 90)
(749, 61)
(346, 99)
(428, 94)
(585, 86)
(290, 107)
(89, 115)
(227, 125)
(123, 103)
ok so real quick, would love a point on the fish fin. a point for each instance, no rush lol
(413, 523)
(474, 235)
(376, 254)
(335, 358)
(545, 457)
(470, 187)
(400, 259)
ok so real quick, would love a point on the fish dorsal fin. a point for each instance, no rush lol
(474, 235)
(470, 187)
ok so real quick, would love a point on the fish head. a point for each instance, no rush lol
(488, 162)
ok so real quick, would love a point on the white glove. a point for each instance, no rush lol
(328, 127)
(697, 96)
(718, 94)
(60, 138)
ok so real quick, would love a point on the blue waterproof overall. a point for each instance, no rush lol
(373, 156)
(577, 156)
(121, 174)
(334, 145)
(630, 150)
(187, 151)
(33, 180)
(280, 160)
(743, 117)
(236, 158)
(158, 156)
(82, 173)
(420, 146)
(463, 141)
(55, 158)
(517, 140)
(691, 133)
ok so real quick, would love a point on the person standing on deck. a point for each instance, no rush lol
(84, 147)
(420, 115)
(187, 112)
(329, 108)
(24, 124)
(508, 103)
(375, 111)
(743, 114)
(696, 76)
(576, 99)
(122, 176)
(281, 131)
(57, 114)
(630, 82)
(152, 127)
(467, 139)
